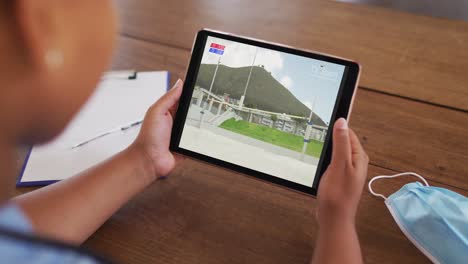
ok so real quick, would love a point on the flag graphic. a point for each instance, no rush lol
(217, 48)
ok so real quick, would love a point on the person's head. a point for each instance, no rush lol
(52, 53)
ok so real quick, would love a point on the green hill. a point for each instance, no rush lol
(264, 91)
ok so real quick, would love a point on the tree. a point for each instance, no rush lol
(274, 118)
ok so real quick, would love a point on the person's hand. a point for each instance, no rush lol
(155, 134)
(342, 183)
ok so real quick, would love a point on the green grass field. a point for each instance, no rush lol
(272, 136)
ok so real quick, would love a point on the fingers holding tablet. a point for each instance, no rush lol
(169, 101)
(341, 154)
(342, 183)
(359, 156)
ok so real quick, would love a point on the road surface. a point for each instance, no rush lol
(218, 146)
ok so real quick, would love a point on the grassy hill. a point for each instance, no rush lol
(264, 91)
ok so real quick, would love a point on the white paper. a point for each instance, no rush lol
(116, 103)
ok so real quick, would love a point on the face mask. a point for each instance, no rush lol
(434, 219)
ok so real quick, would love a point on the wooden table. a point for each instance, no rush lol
(410, 113)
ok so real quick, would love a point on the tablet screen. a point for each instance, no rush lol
(262, 109)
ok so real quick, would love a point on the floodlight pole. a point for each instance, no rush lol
(214, 75)
(241, 102)
(202, 112)
(308, 131)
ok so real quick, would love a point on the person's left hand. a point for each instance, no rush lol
(155, 134)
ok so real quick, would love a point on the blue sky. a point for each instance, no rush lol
(306, 78)
(311, 80)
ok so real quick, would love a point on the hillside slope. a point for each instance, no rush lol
(264, 91)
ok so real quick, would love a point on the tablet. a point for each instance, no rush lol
(262, 109)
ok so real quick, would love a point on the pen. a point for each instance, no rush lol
(107, 133)
(131, 125)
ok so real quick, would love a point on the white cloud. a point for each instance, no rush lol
(271, 60)
(286, 82)
(241, 55)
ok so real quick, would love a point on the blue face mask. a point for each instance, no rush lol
(434, 219)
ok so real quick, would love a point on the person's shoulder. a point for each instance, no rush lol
(13, 223)
(16, 247)
(13, 218)
(18, 244)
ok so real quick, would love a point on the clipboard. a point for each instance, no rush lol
(137, 90)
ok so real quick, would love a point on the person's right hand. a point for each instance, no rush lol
(341, 185)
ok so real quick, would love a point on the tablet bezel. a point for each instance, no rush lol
(342, 108)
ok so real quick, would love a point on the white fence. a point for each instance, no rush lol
(287, 123)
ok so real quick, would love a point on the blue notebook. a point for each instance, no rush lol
(95, 134)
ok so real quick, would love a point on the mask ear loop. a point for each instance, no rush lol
(369, 186)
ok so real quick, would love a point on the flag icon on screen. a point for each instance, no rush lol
(217, 48)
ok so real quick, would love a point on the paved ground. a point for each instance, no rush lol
(248, 155)
(193, 118)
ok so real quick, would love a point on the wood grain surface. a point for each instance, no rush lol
(411, 113)
(206, 214)
(413, 56)
(397, 133)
